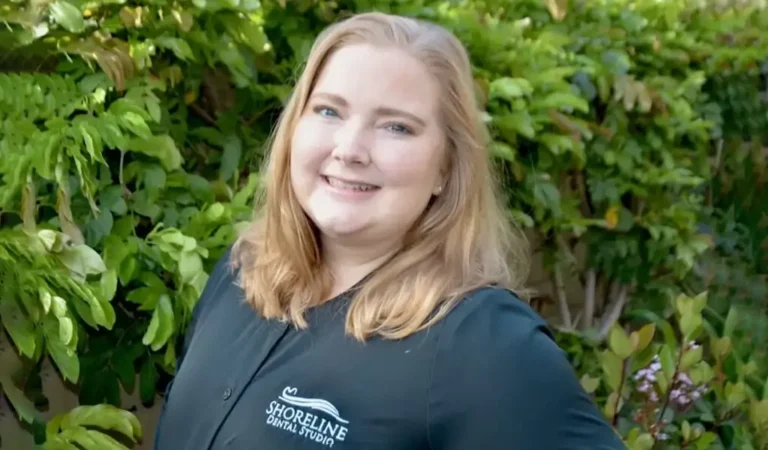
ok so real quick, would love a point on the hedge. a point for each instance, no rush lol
(630, 137)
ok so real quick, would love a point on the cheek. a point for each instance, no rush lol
(309, 148)
(413, 167)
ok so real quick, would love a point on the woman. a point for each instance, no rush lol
(370, 305)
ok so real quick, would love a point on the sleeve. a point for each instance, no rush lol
(501, 382)
(218, 275)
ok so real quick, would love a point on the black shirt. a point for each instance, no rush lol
(487, 377)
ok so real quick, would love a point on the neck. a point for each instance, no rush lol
(351, 263)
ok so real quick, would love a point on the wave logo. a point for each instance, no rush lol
(314, 418)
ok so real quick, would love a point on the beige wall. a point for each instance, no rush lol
(61, 399)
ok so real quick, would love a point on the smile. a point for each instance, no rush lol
(337, 183)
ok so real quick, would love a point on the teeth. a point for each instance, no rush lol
(352, 186)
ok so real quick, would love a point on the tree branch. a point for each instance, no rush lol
(562, 299)
(589, 298)
(614, 311)
(203, 114)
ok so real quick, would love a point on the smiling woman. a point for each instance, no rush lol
(366, 153)
(371, 305)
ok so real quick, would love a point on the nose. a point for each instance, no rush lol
(352, 146)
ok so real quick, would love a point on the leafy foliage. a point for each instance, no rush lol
(630, 132)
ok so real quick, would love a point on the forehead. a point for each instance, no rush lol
(367, 76)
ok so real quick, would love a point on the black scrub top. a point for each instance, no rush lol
(487, 377)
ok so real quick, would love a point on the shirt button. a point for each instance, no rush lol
(227, 393)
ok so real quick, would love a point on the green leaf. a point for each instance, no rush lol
(731, 321)
(589, 384)
(153, 108)
(180, 47)
(705, 441)
(59, 306)
(103, 314)
(735, 393)
(668, 363)
(686, 430)
(626, 220)
(612, 368)
(161, 147)
(45, 299)
(690, 358)
(147, 297)
(109, 284)
(165, 323)
(19, 326)
(246, 30)
(92, 439)
(644, 442)
(145, 203)
(82, 260)
(230, 160)
(560, 100)
(190, 264)
(519, 122)
(136, 124)
(619, 342)
(154, 177)
(612, 405)
(122, 363)
(154, 325)
(690, 325)
(24, 407)
(147, 380)
(509, 88)
(127, 271)
(111, 198)
(721, 347)
(503, 150)
(65, 330)
(64, 357)
(701, 373)
(546, 195)
(765, 390)
(68, 16)
(645, 336)
(105, 417)
(618, 62)
(54, 442)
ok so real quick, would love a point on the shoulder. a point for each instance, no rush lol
(492, 316)
(221, 275)
(494, 332)
(500, 377)
(495, 335)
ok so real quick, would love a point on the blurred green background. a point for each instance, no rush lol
(631, 138)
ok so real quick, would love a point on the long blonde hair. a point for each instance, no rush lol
(463, 240)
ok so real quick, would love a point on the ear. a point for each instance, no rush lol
(442, 180)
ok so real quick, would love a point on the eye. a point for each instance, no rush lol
(325, 111)
(399, 128)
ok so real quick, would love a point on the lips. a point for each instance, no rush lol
(348, 185)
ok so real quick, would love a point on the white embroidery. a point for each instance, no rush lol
(290, 413)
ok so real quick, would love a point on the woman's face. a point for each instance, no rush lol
(367, 152)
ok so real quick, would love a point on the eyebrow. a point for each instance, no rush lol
(381, 110)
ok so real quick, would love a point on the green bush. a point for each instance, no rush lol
(630, 138)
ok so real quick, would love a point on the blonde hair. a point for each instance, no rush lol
(462, 242)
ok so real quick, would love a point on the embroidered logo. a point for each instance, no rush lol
(300, 416)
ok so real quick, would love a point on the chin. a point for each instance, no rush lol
(339, 229)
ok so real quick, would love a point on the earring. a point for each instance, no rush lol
(439, 190)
